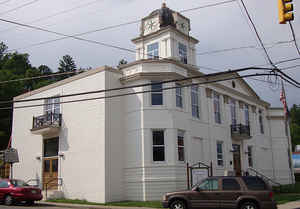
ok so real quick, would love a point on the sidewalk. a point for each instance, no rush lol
(289, 205)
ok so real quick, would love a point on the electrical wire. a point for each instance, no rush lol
(116, 26)
(256, 32)
(138, 92)
(55, 14)
(243, 47)
(206, 76)
(294, 37)
(286, 60)
(37, 77)
(4, 2)
(19, 7)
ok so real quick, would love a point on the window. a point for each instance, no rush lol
(180, 144)
(179, 102)
(51, 147)
(220, 160)
(156, 93)
(261, 122)
(230, 184)
(254, 183)
(158, 146)
(52, 106)
(3, 184)
(152, 51)
(233, 111)
(182, 53)
(250, 157)
(246, 110)
(209, 184)
(195, 101)
(18, 183)
(217, 108)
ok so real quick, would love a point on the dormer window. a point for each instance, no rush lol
(152, 51)
(182, 53)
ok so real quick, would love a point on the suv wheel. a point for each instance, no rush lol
(8, 200)
(178, 204)
(248, 205)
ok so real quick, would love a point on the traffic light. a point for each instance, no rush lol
(284, 11)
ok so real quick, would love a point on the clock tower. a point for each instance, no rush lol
(164, 33)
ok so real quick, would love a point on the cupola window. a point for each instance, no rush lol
(152, 51)
(182, 53)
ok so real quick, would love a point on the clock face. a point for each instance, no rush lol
(151, 25)
(183, 26)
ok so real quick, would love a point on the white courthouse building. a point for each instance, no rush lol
(136, 147)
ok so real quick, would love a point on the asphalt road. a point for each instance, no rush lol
(36, 206)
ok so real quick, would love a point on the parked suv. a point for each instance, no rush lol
(245, 192)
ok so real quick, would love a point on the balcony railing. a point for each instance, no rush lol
(50, 120)
(240, 131)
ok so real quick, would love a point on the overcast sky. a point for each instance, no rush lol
(220, 27)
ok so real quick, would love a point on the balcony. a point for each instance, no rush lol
(46, 124)
(240, 131)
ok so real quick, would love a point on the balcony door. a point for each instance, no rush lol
(237, 159)
(50, 163)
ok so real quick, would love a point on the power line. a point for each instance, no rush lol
(19, 7)
(55, 14)
(119, 25)
(4, 2)
(294, 37)
(139, 85)
(37, 77)
(286, 60)
(243, 47)
(140, 92)
(256, 32)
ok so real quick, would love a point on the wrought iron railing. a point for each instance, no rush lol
(240, 129)
(46, 120)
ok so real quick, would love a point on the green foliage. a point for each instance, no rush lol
(284, 198)
(295, 125)
(66, 64)
(16, 66)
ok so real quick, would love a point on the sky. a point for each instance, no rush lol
(221, 27)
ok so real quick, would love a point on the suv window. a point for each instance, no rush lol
(3, 184)
(209, 184)
(255, 183)
(230, 184)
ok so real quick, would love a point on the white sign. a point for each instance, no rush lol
(11, 155)
(198, 175)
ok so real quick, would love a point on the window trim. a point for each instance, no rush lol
(151, 53)
(246, 115)
(261, 121)
(153, 92)
(179, 94)
(250, 156)
(233, 112)
(195, 92)
(222, 154)
(182, 51)
(217, 107)
(164, 146)
(180, 133)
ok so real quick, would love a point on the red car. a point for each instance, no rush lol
(15, 191)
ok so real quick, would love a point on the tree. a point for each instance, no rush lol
(44, 70)
(295, 125)
(3, 49)
(66, 64)
(122, 62)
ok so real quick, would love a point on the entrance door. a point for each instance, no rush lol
(237, 159)
(50, 171)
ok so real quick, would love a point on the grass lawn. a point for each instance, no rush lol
(284, 198)
(148, 204)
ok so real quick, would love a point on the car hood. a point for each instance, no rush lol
(178, 192)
